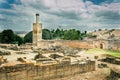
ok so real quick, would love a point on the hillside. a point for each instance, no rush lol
(105, 34)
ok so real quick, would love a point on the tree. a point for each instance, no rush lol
(18, 40)
(7, 36)
(85, 32)
(71, 34)
(57, 33)
(46, 34)
(52, 33)
(28, 37)
(99, 29)
(0, 36)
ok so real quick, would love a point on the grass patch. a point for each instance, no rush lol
(106, 52)
(95, 50)
(113, 53)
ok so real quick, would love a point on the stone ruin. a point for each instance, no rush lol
(111, 60)
(44, 67)
(115, 73)
(4, 52)
(10, 46)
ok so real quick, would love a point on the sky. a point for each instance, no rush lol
(90, 15)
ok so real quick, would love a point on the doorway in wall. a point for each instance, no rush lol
(101, 46)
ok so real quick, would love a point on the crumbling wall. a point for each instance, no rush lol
(66, 43)
(114, 45)
(114, 75)
(103, 44)
(48, 72)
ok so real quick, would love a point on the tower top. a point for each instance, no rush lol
(37, 14)
(37, 18)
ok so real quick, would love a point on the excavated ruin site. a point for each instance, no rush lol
(55, 63)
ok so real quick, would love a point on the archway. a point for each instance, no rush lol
(101, 46)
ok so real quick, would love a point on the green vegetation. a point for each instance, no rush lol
(46, 34)
(18, 40)
(95, 50)
(28, 37)
(71, 34)
(113, 53)
(106, 52)
(9, 37)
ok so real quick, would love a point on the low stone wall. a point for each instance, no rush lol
(66, 43)
(47, 72)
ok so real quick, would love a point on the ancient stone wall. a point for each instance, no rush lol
(67, 43)
(114, 45)
(114, 75)
(47, 72)
(103, 44)
(107, 44)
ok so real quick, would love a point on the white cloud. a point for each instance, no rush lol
(2, 1)
(56, 13)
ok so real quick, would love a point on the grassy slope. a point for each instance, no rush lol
(107, 52)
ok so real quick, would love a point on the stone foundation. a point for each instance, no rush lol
(46, 72)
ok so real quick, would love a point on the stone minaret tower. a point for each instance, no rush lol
(37, 31)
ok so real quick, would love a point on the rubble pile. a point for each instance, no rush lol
(4, 52)
(10, 46)
(60, 49)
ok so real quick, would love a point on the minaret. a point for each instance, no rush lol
(37, 31)
(37, 18)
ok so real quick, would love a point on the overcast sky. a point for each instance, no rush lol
(19, 15)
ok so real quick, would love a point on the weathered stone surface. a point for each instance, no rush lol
(115, 73)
